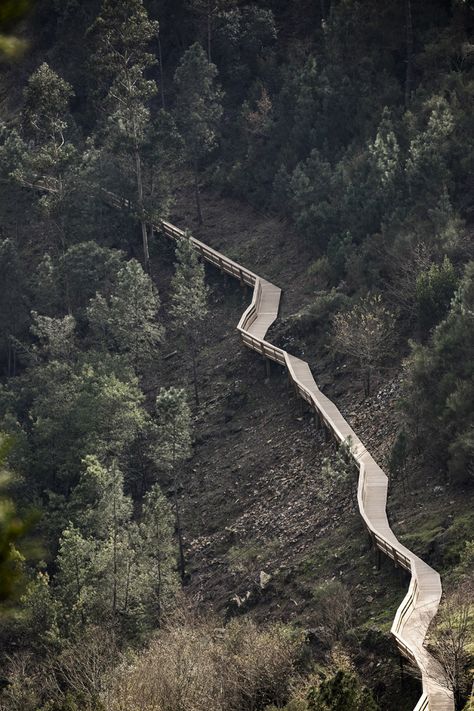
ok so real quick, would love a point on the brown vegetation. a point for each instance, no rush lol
(195, 666)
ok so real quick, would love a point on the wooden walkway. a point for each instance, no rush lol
(421, 602)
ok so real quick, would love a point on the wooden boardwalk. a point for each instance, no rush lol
(421, 602)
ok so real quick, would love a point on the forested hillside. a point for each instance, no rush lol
(176, 534)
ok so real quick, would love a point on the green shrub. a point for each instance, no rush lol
(318, 313)
(398, 456)
(439, 389)
(341, 692)
(461, 457)
(434, 291)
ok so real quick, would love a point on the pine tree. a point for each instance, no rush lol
(189, 299)
(384, 154)
(156, 530)
(55, 337)
(427, 168)
(438, 399)
(40, 613)
(174, 446)
(198, 110)
(209, 9)
(89, 268)
(92, 404)
(243, 43)
(340, 474)
(111, 568)
(435, 288)
(312, 199)
(113, 515)
(123, 34)
(74, 563)
(42, 157)
(126, 321)
(13, 302)
(344, 692)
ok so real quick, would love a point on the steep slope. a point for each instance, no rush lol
(421, 602)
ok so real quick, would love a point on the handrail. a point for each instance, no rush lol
(212, 255)
(250, 313)
(421, 602)
(423, 703)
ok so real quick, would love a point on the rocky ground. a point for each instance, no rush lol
(265, 526)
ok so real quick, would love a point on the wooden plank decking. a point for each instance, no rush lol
(421, 602)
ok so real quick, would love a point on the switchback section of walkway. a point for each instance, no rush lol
(421, 602)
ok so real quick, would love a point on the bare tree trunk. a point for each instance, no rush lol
(197, 194)
(61, 229)
(143, 484)
(78, 588)
(195, 381)
(409, 55)
(146, 253)
(162, 82)
(158, 591)
(323, 10)
(127, 586)
(182, 563)
(114, 588)
(367, 382)
(209, 22)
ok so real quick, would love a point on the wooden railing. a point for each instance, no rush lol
(421, 603)
(423, 703)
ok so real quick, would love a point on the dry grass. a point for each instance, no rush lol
(194, 666)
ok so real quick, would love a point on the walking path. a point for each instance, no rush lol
(421, 602)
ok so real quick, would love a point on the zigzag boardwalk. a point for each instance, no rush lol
(424, 593)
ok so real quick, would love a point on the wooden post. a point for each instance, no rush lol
(268, 368)
(295, 388)
(401, 573)
(395, 558)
